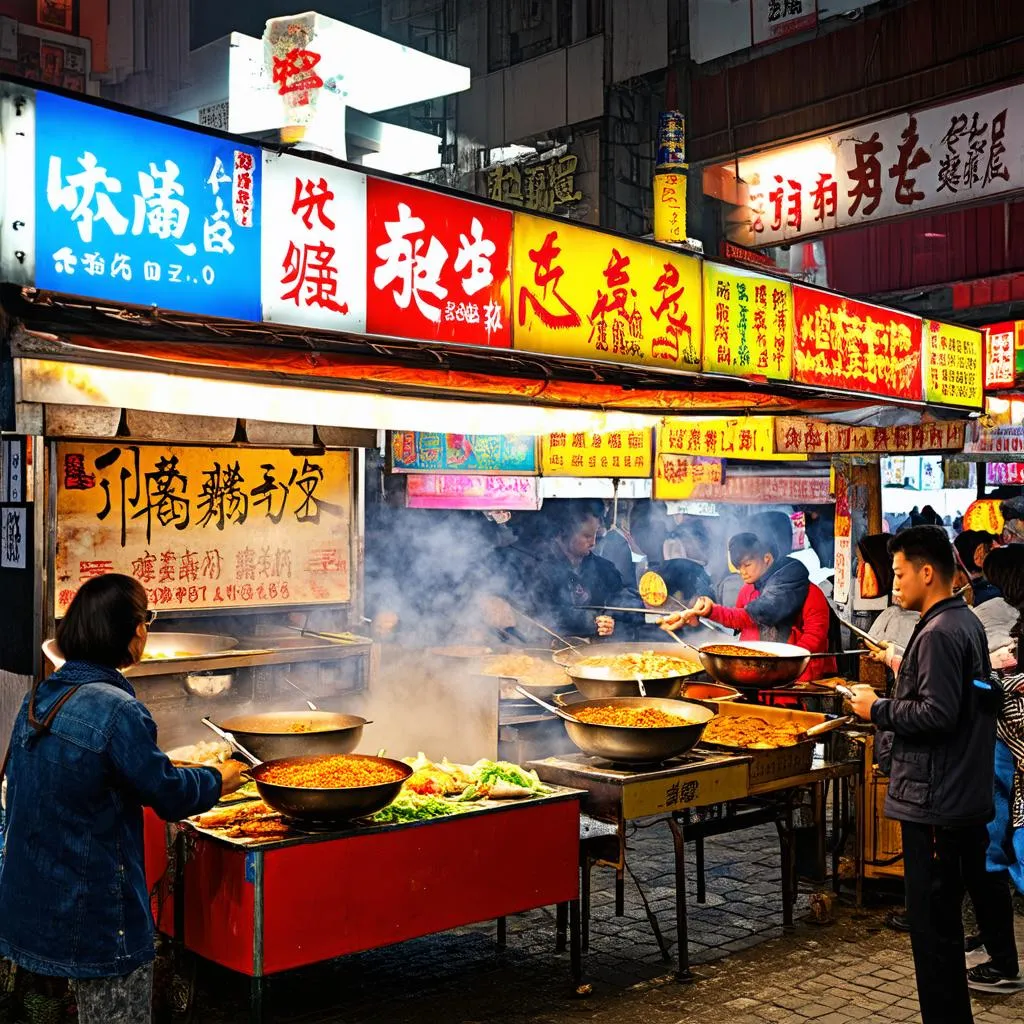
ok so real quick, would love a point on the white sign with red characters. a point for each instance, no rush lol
(314, 244)
(439, 267)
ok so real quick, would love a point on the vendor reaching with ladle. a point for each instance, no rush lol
(82, 763)
(777, 602)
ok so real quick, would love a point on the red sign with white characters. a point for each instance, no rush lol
(437, 267)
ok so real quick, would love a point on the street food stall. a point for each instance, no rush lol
(207, 342)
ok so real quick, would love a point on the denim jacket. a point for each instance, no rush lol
(73, 896)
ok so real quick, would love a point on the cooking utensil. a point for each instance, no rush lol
(699, 692)
(679, 640)
(334, 638)
(629, 745)
(299, 689)
(229, 739)
(181, 646)
(550, 632)
(278, 734)
(598, 682)
(327, 805)
(779, 665)
(824, 727)
(867, 637)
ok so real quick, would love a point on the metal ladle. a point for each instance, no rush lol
(229, 738)
(548, 707)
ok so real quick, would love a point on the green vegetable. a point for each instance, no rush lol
(489, 772)
(414, 807)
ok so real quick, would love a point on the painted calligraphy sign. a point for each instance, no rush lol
(205, 527)
(541, 186)
(852, 346)
(748, 324)
(776, 19)
(677, 476)
(616, 454)
(135, 211)
(794, 434)
(1000, 355)
(581, 293)
(751, 438)
(420, 452)
(953, 365)
(965, 151)
(437, 267)
(314, 262)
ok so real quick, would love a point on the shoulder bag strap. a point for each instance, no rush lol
(42, 727)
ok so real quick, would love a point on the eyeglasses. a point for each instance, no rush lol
(150, 616)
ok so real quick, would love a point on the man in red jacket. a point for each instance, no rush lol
(776, 602)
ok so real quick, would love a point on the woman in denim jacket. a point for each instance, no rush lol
(82, 763)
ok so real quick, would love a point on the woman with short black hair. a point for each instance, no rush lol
(82, 763)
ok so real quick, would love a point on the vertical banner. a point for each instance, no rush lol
(843, 541)
(670, 206)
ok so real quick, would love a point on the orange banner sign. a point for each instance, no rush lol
(748, 324)
(676, 476)
(618, 453)
(794, 434)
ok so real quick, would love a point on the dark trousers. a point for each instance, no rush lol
(939, 864)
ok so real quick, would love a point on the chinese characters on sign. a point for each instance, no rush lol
(438, 267)
(849, 345)
(670, 206)
(922, 160)
(999, 474)
(13, 536)
(314, 254)
(767, 490)
(543, 187)
(483, 493)
(593, 296)
(414, 452)
(953, 365)
(676, 476)
(1007, 440)
(795, 435)
(775, 19)
(13, 456)
(1000, 356)
(748, 324)
(134, 211)
(750, 438)
(843, 557)
(205, 527)
(616, 454)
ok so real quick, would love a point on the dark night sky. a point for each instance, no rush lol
(212, 19)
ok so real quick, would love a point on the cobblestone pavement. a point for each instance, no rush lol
(852, 970)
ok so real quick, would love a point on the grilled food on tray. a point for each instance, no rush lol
(647, 664)
(735, 651)
(750, 732)
(632, 718)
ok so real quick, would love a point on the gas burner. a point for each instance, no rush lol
(315, 827)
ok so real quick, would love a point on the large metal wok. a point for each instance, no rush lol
(598, 682)
(186, 645)
(327, 805)
(780, 665)
(276, 734)
(624, 744)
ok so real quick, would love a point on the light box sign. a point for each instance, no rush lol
(1001, 355)
(314, 262)
(418, 452)
(953, 365)
(853, 346)
(748, 324)
(204, 528)
(438, 267)
(134, 211)
(617, 454)
(584, 294)
(749, 438)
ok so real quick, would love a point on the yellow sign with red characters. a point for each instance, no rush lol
(676, 476)
(748, 324)
(670, 205)
(954, 366)
(581, 293)
(748, 438)
(617, 453)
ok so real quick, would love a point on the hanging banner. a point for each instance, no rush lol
(481, 493)
(437, 267)
(617, 454)
(205, 527)
(853, 346)
(953, 365)
(794, 434)
(1007, 440)
(775, 19)
(313, 274)
(749, 437)
(677, 476)
(748, 324)
(843, 561)
(129, 210)
(588, 295)
(670, 206)
(1001, 355)
(776, 489)
(416, 452)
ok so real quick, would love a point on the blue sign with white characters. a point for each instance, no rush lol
(135, 211)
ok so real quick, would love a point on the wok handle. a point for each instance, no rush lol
(232, 742)
(829, 725)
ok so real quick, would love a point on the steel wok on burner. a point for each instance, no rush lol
(776, 665)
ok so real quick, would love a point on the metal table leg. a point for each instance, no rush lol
(620, 890)
(787, 849)
(257, 989)
(698, 849)
(576, 950)
(502, 932)
(586, 867)
(682, 936)
(561, 926)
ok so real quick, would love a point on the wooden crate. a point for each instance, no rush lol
(782, 762)
(882, 854)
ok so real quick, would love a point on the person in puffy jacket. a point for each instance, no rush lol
(82, 763)
(777, 602)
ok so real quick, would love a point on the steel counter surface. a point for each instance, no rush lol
(261, 909)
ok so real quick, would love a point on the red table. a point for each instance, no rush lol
(262, 909)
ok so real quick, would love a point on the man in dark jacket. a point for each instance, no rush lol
(937, 738)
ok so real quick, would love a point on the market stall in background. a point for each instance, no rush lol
(304, 406)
